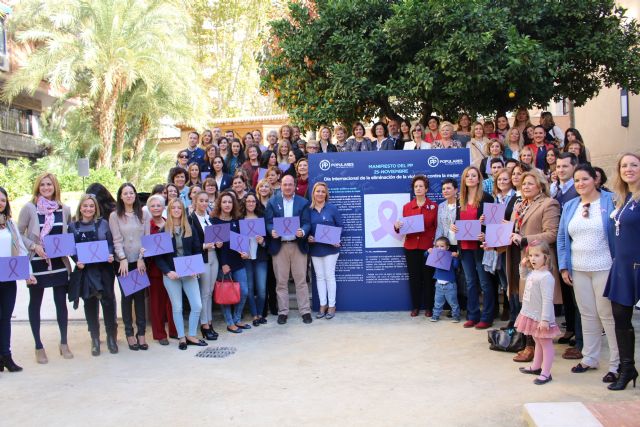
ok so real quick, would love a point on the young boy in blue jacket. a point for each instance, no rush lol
(446, 285)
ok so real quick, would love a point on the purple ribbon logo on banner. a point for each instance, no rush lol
(13, 265)
(386, 223)
(157, 239)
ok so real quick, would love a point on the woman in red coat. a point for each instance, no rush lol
(415, 244)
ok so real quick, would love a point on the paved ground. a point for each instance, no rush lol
(357, 369)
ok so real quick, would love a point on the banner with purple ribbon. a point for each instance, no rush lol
(239, 243)
(370, 189)
(217, 233)
(412, 224)
(93, 252)
(286, 226)
(468, 229)
(439, 258)
(133, 282)
(253, 227)
(189, 265)
(327, 234)
(59, 245)
(157, 244)
(498, 235)
(14, 268)
(494, 213)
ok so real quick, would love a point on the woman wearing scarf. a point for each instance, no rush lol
(10, 245)
(43, 215)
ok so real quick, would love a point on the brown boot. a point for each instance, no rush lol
(525, 355)
(572, 353)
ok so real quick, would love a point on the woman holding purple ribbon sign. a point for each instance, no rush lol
(324, 256)
(470, 207)
(199, 220)
(11, 245)
(227, 211)
(127, 228)
(185, 243)
(46, 215)
(94, 282)
(256, 264)
(415, 244)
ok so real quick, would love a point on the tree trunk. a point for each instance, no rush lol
(107, 106)
(426, 108)
(141, 139)
(121, 130)
(387, 109)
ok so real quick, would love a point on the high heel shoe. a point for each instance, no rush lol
(112, 344)
(144, 346)
(208, 334)
(7, 362)
(134, 346)
(95, 346)
(41, 356)
(628, 372)
(65, 352)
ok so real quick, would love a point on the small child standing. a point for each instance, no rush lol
(446, 285)
(536, 316)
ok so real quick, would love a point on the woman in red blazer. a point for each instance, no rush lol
(415, 244)
(540, 147)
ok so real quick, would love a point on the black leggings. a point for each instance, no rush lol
(420, 280)
(35, 303)
(622, 315)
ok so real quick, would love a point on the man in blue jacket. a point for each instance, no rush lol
(290, 252)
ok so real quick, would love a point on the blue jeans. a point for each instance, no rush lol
(239, 276)
(191, 288)
(446, 292)
(473, 270)
(256, 284)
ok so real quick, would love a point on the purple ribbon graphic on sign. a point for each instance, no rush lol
(216, 234)
(287, 223)
(440, 256)
(93, 248)
(157, 239)
(251, 228)
(326, 234)
(13, 264)
(386, 223)
(467, 230)
(239, 241)
(187, 266)
(56, 245)
(492, 214)
(135, 278)
(501, 239)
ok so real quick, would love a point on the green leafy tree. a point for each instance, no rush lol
(344, 60)
(101, 51)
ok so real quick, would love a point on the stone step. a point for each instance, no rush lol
(571, 414)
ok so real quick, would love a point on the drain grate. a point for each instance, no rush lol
(216, 352)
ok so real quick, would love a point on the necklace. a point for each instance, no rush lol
(617, 220)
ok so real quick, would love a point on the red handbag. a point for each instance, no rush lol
(226, 291)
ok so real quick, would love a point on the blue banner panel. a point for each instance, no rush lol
(370, 189)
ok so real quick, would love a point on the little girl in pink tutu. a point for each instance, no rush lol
(536, 317)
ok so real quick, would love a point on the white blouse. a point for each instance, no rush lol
(589, 245)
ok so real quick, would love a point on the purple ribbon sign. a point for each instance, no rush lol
(386, 222)
(286, 226)
(494, 213)
(327, 234)
(253, 227)
(439, 258)
(498, 235)
(239, 243)
(93, 252)
(14, 268)
(204, 175)
(133, 282)
(217, 233)
(189, 265)
(59, 245)
(412, 224)
(157, 244)
(468, 230)
(262, 173)
(284, 167)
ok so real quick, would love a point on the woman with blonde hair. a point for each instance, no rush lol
(521, 120)
(526, 156)
(326, 146)
(470, 207)
(341, 138)
(285, 133)
(446, 140)
(185, 243)
(513, 143)
(417, 139)
(477, 143)
(46, 215)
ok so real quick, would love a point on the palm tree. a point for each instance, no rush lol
(99, 50)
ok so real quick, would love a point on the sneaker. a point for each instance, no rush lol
(456, 320)
(434, 319)
(469, 324)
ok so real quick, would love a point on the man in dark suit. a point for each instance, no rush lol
(289, 252)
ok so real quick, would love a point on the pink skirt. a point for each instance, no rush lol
(529, 326)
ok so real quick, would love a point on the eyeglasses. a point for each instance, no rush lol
(182, 156)
(585, 210)
(311, 147)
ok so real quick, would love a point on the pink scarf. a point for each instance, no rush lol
(47, 208)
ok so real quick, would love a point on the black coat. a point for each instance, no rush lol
(196, 228)
(190, 245)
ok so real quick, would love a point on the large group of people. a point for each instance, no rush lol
(571, 247)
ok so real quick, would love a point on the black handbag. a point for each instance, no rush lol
(506, 340)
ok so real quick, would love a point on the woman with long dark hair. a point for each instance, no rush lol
(106, 202)
(127, 228)
(256, 262)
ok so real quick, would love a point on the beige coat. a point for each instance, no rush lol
(539, 223)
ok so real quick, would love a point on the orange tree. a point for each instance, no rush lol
(346, 60)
